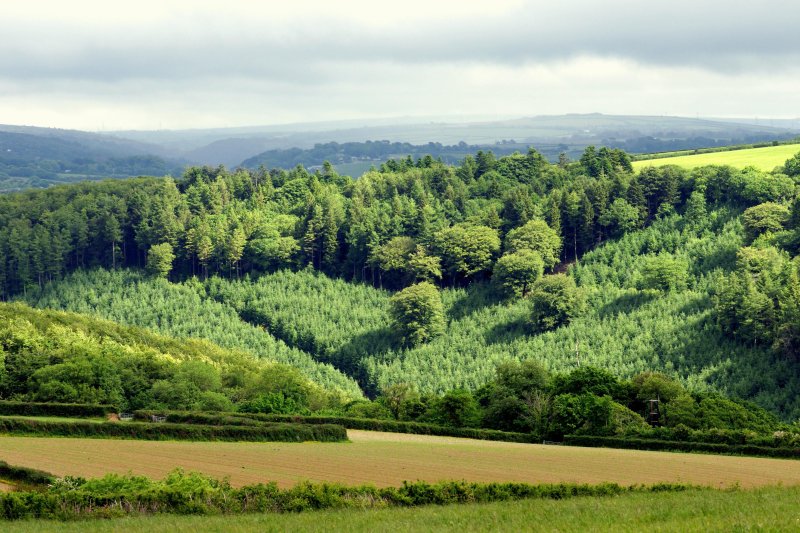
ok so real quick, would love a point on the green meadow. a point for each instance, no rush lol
(766, 158)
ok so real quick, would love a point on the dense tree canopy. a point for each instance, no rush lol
(307, 260)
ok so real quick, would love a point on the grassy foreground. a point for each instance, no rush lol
(765, 158)
(771, 509)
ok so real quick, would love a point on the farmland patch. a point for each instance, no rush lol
(389, 459)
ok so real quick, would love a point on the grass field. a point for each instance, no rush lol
(768, 509)
(387, 459)
(764, 158)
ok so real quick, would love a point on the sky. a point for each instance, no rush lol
(172, 64)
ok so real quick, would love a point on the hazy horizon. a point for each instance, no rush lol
(345, 123)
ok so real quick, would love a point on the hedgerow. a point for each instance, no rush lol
(169, 431)
(397, 426)
(192, 493)
(681, 446)
(391, 426)
(74, 410)
(28, 476)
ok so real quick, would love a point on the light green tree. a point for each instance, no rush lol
(467, 250)
(515, 273)
(159, 259)
(664, 273)
(537, 236)
(763, 218)
(555, 301)
(418, 313)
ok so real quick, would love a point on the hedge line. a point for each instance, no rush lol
(201, 417)
(75, 410)
(711, 150)
(777, 439)
(396, 426)
(182, 493)
(25, 475)
(681, 446)
(167, 431)
(392, 426)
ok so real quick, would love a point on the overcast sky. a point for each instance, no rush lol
(178, 64)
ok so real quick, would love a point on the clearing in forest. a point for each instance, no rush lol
(388, 459)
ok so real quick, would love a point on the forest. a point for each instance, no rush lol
(454, 294)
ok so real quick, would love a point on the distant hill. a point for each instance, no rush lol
(348, 154)
(550, 135)
(39, 157)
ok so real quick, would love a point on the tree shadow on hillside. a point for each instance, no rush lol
(508, 332)
(625, 303)
(724, 259)
(376, 343)
(477, 297)
(383, 344)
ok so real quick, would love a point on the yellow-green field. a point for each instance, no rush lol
(764, 158)
(388, 459)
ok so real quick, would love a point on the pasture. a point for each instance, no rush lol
(387, 459)
(766, 158)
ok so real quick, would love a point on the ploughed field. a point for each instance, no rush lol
(388, 459)
(765, 158)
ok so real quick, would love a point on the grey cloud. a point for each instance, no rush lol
(718, 36)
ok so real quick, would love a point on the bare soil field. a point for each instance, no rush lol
(387, 459)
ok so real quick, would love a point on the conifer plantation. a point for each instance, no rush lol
(421, 285)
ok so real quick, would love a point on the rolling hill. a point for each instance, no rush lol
(41, 157)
